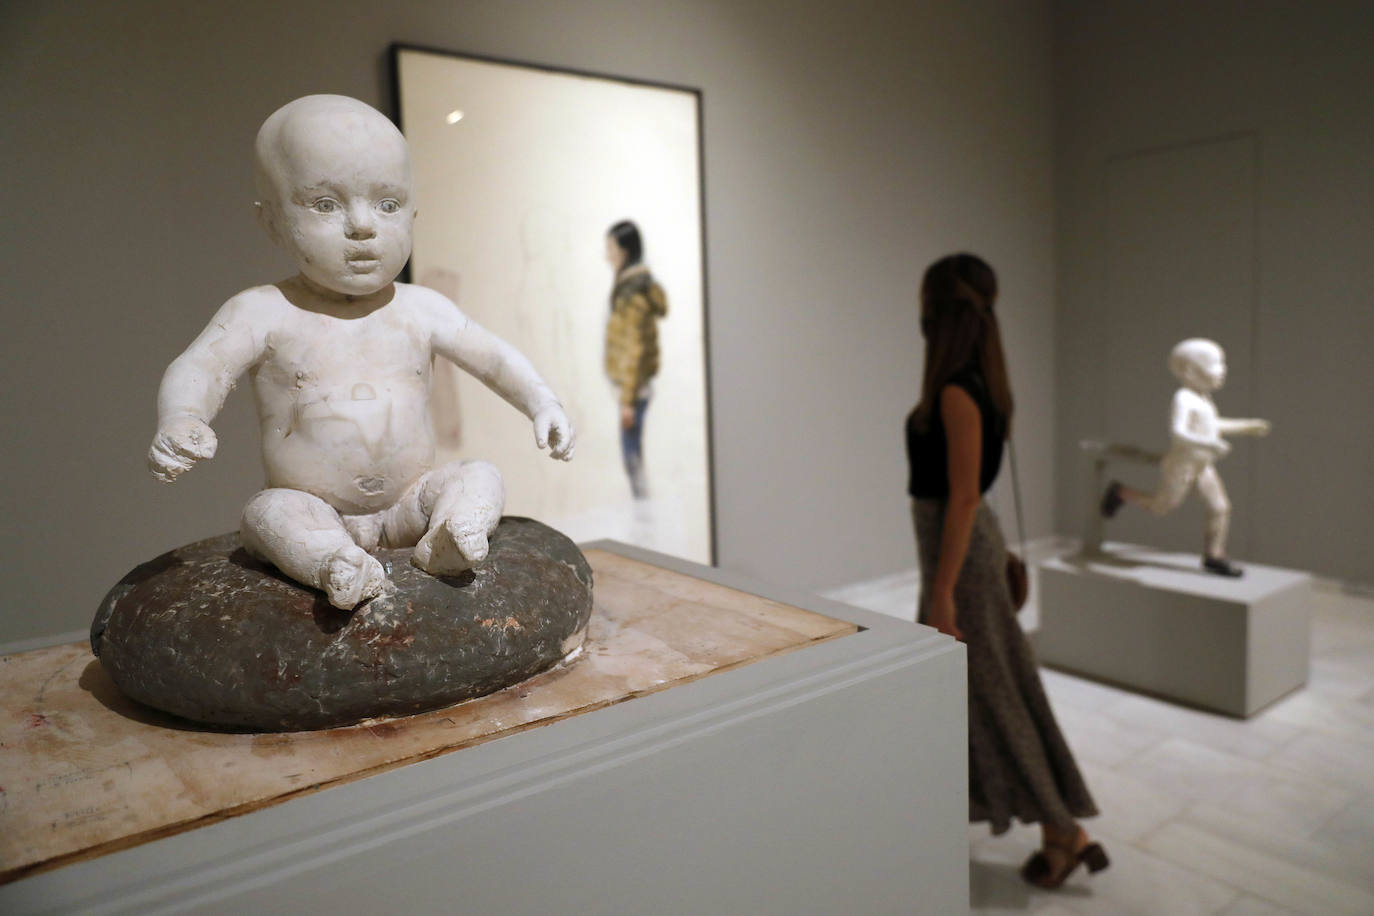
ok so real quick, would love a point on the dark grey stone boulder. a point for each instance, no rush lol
(208, 633)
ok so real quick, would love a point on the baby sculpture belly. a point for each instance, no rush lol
(356, 445)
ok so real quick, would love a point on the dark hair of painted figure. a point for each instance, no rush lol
(625, 234)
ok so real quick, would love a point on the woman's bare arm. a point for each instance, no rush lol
(964, 436)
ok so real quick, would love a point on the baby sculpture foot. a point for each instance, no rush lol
(1111, 500)
(352, 576)
(450, 548)
(1222, 567)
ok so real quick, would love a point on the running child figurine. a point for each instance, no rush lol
(340, 357)
(1197, 444)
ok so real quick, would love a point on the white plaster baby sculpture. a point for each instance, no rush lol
(1196, 444)
(340, 358)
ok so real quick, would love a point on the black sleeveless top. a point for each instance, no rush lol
(927, 452)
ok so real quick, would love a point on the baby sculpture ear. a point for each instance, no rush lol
(267, 219)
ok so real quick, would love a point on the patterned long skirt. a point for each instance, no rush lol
(1019, 763)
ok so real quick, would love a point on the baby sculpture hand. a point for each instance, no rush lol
(553, 429)
(178, 445)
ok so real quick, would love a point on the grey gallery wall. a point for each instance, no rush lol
(842, 153)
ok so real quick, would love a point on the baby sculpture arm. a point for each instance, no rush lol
(195, 385)
(503, 369)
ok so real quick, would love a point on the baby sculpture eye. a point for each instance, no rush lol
(325, 205)
(389, 206)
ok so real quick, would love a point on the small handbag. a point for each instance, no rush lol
(1018, 577)
(1018, 580)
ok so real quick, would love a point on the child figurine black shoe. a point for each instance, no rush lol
(1222, 567)
(1111, 499)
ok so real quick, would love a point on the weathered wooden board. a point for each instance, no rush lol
(84, 771)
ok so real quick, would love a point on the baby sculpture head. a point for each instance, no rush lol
(334, 179)
(1199, 364)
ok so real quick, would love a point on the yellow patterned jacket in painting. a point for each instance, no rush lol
(637, 302)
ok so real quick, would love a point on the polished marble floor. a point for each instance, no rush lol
(1202, 813)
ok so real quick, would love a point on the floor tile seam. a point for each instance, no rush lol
(1130, 699)
(1285, 910)
(1240, 892)
(1339, 728)
(1295, 768)
(1365, 750)
(1348, 653)
(1321, 859)
(1289, 773)
(1231, 762)
(1119, 766)
(1230, 745)
(1157, 733)
(1139, 783)
(1211, 876)
(1111, 729)
(1326, 692)
(1300, 731)
(1112, 841)
(1138, 846)
(1356, 798)
(1225, 844)
(1113, 712)
(1142, 843)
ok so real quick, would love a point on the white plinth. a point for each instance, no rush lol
(829, 779)
(1154, 621)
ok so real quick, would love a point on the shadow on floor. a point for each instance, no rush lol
(997, 887)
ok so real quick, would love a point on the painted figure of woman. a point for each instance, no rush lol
(632, 355)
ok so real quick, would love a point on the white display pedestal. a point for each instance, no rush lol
(828, 779)
(1153, 621)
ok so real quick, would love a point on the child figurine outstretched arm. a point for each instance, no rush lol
(195, 385)
(1248, 427)
(503, 369)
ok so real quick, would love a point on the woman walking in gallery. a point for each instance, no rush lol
(1019, 763)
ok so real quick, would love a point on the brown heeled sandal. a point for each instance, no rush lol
(1041, 873)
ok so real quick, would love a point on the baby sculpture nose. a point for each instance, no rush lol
(360, 224)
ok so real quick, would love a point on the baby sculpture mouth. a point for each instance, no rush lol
(362, 261)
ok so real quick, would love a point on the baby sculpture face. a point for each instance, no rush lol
(336, 181)
(1200, 364)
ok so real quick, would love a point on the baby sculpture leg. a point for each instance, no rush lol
(1176, 475)
(1213, 493)
(452, 510)
(305, 538)
(1177, 472)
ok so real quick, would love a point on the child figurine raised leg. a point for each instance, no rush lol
(340, 357)
(1196, 445)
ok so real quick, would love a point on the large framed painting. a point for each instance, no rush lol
(563, 211)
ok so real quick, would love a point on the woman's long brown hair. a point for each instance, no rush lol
(957, 319)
